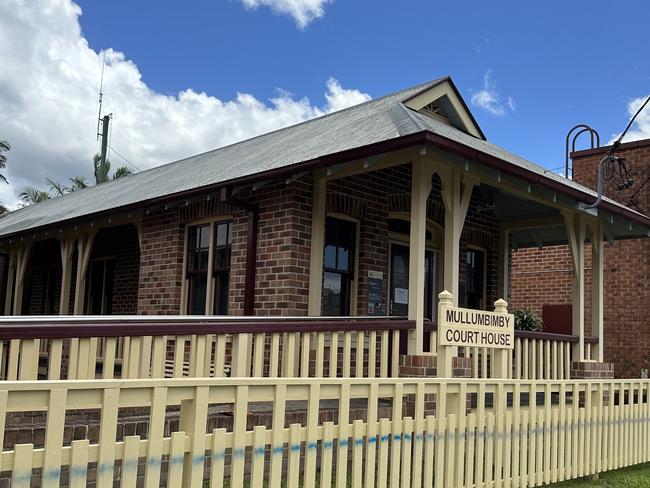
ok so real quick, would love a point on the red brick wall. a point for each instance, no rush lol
(544, 273)
(283, 238)
(282, 268)
(283, 243)
(378, 193)
(161, 263)
(121, 243)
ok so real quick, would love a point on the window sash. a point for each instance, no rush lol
(208, 261)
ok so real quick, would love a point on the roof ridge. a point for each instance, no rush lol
(419, 86)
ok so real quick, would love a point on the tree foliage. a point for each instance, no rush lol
(31, 195)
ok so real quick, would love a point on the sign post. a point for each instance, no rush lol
(461, 327)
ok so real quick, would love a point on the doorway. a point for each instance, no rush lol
(399, 281)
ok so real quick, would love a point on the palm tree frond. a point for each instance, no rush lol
(56, 188)
(77, 183)
(121, 172)
(30, 195)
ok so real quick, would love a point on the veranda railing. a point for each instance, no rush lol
(386, 432)
(156, 347)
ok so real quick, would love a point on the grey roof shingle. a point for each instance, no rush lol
(371, 122)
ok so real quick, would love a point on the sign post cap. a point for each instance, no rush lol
(445, 298)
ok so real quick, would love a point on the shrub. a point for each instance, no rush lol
(526, 319)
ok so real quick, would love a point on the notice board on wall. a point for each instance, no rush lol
(375, 293)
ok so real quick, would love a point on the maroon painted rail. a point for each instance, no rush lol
(83, 327)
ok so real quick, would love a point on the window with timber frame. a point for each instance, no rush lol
(338, 266)
(207, 268)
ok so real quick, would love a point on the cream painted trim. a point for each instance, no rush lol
(84, 250)
(457, 190)
(575, 228)
(67, 251)
(22, 258)
(503, 263)
(421, 184)
(11, 278)
(74, 231)
(184, 287)
(317, 244)
(375, 163)
(432, 94)
(209, 288)
(354, 289)
(433, 227)
(597, 284)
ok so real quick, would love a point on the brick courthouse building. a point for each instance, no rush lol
(372, 210)
(542, 278)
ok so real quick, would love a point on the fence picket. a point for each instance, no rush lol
(156, 432)
(218, 459)
(326, 454)
(176, 460)
(512, 433)
(396, 437)
(130, 461)
(311, 443)
(371, 445)
(22, 469)
(107, 437)
(344, 436)
(293, 462)
(79, 463)
(258, 455)
(406, 451)
(277, 436)
(54, 437)
(429, 450)
(358, 439)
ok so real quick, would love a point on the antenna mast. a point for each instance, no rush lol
(101, 95)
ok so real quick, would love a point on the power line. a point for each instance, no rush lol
(629, 124)
(127, 161)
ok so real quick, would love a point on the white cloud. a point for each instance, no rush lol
(48, 101)
(641, 127)
(489, 98)
(303, 11)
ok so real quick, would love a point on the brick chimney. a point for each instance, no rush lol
(637, 161)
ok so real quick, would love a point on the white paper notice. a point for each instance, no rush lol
(401, 295)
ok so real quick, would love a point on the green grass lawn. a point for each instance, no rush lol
(633, 477)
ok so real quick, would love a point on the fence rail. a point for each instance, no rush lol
(536, 355)
(157, 347)
(385, 432)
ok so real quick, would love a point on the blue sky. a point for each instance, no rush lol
(185, 77)
(561, 62)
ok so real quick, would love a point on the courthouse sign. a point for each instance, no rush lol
(476, 328)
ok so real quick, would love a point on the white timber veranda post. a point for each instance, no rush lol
(500, 356)
(445, 353)
(575, 229)
(317, 244)
(597, 283)
(456, 195)
(504, 263)
(67, 251)
(84, 248)
(22, 257)
(11, 278)
(421, 174)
